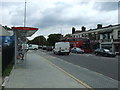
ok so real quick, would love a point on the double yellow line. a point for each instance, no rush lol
(70, 75)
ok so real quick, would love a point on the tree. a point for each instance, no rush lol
(53, 38)
(40, 40)
(68, 35)
(6, 27)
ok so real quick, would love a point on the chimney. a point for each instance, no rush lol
(83, 29)
(73, 30)
(99, 26)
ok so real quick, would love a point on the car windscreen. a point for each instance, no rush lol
(106, 50)
(78, 49)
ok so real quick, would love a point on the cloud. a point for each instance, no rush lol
(106, 6)
(58, 16)
(63, 13)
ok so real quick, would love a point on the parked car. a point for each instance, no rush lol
(77, 50)
(104, 52)
(32, 47)
(44, 47)
(40, 46)
(118, 53)
(23, 46)
(62, 48)
(49, 48)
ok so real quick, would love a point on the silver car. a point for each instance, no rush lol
(77, 50)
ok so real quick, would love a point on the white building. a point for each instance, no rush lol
(103, 37)
(110, 38)
(3, 31)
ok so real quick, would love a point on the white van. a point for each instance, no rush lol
(32, 47)
(62, 48)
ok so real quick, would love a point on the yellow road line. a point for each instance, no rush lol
(71, 76)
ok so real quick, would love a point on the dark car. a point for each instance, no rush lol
(104, 52)
(77, 50)
(40, 46)
(44, 47)
(49, 48)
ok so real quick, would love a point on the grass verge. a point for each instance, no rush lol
(7, 71)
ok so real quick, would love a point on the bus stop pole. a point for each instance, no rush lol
(15, 59)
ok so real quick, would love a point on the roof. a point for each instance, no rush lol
(24, 31)
(24, 28)
(3, 31)
(78, 31)
(104, 27)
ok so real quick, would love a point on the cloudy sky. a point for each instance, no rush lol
(59, 16)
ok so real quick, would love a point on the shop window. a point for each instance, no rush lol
(118, 34)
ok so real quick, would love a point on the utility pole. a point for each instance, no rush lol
(25, 14)
(25, 43)
(119, 12)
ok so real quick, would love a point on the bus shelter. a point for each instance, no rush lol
(20, 34)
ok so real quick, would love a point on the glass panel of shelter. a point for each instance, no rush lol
(20, 34)
(20, 45)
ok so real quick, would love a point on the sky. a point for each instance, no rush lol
(58, 16)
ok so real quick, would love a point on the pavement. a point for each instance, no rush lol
(39, 73)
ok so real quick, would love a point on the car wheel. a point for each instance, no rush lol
(105, 55)
(35, 49)
(96, 54)
(53, 52)
(68, 53)
(113, 55)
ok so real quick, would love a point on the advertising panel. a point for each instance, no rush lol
(7, 41)
(0, 60)
(7, 50)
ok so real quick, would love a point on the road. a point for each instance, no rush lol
(104, 65)
(74, 66)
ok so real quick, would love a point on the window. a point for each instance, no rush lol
(72, 39)
(85, 46)
(92, 36)
(78, 39)
(30, 45)
(96, 36)
(68, 39)
(118, 34)
(108, 36)
(71, 46)
(86, 35)
(104, 36)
